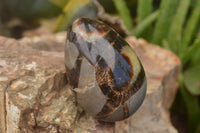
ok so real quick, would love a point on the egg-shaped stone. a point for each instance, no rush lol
(103, 70)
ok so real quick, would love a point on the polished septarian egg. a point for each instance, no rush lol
(103, 70)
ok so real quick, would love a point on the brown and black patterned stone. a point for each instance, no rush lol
(118, 75)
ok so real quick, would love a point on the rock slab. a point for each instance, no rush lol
(35, 97)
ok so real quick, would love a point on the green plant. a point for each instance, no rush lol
(177, 29)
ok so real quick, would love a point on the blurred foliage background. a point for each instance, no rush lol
(172, 24)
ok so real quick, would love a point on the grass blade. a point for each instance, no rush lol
(191, 50)
(145, 24)
(124, 13)
(175, 32)
(144, 10)
(167, 9)
(191, 26)
(191, 103)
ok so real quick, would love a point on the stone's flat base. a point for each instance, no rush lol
(34, 96)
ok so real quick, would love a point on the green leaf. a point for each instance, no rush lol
(164, 20)
(145, 24)
(124, 13)
(191, 51)
(192, 24)
(59, 3)
(192, 79)
(73, 10)
(144, 10)
(195, 57)
(175, 32)
(191, 103)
